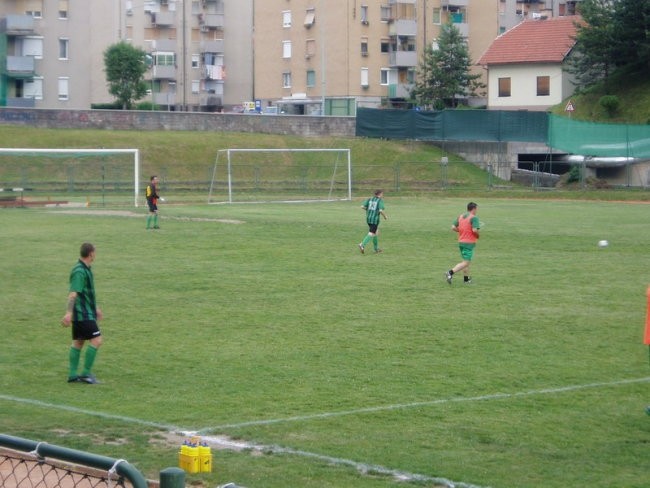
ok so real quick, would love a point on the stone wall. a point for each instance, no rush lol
(299, 125)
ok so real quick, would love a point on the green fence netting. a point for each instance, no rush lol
(453, 125)
(604, 140)
(559, 133)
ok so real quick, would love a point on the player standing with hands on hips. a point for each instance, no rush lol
(83, 314)
(467, 225)
(152, 201)
(374, 208)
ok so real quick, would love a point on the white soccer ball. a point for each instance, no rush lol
(603, 243)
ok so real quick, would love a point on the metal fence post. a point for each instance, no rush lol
(172, 478)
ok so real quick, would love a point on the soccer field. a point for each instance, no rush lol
(307, 364)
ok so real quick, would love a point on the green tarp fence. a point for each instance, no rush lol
(559, 133)
(453, 125)
(604, 140)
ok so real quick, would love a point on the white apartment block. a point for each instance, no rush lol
(303, 56)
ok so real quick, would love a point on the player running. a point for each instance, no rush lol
(467, 225)
(374, 208)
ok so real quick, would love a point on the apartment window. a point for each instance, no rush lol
(286, 79)
(63, 48)
(164, 59)
(310, 48)
(504, 87)
(33, 88)
(543, 86)
(286, 49)
(286, 18)
(311, 78)
(310, 17)
(37, 14)
(63, 9)
(436, 16)
(364, 77)
(63, 89)
(364, 46)
(196, 60)
(384, 76)
(31, 46)
(385, 13)
(385, 46)
(364, 14)
(196, 85)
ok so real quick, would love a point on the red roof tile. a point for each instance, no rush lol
(533, 41)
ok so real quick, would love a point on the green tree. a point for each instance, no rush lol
(125, 67)
(444, 73)
(632, 19)
(594, 55)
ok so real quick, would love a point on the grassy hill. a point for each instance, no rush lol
(632, 91)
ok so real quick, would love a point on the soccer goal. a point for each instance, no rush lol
(90, 176)
(281, 175)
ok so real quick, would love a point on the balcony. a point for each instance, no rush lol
(214, 72)
(163, 45)
(164, 72)
(453, 3)
(403, 27)
(400, 90)
(215, 46)
(17, 25)
(20, 66)
(213, 21)
(163, 19)
(402, 59)
(15, 102)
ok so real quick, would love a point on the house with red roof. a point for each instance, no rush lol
(525, 64)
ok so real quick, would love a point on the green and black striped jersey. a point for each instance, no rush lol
(373, 207)
(82, 282)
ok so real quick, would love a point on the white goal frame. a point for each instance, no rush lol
(229, 152)
(88, 152)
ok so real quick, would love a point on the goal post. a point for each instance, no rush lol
(112, 173)
(281, 175)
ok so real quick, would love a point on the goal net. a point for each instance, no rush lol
(281, 175)
(74, 176)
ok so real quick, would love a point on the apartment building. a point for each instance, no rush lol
(302, 56)
(51, 51)
(313, 56)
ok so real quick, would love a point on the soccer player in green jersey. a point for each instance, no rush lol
(83, 313)
(374, 208)
(467, 226)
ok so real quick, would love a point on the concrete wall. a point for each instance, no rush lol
(142, 120)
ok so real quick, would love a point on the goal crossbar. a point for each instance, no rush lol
(230, 152)
(85, 152)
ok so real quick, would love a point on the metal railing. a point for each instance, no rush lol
(29, 464)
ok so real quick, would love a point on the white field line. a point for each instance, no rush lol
(226, 443)
(399, 406)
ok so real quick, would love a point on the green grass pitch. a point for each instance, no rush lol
(265, 324)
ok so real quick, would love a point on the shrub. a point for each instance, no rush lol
(610, 103)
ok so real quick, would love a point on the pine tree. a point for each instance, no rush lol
(444, 73)
(594, 55)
